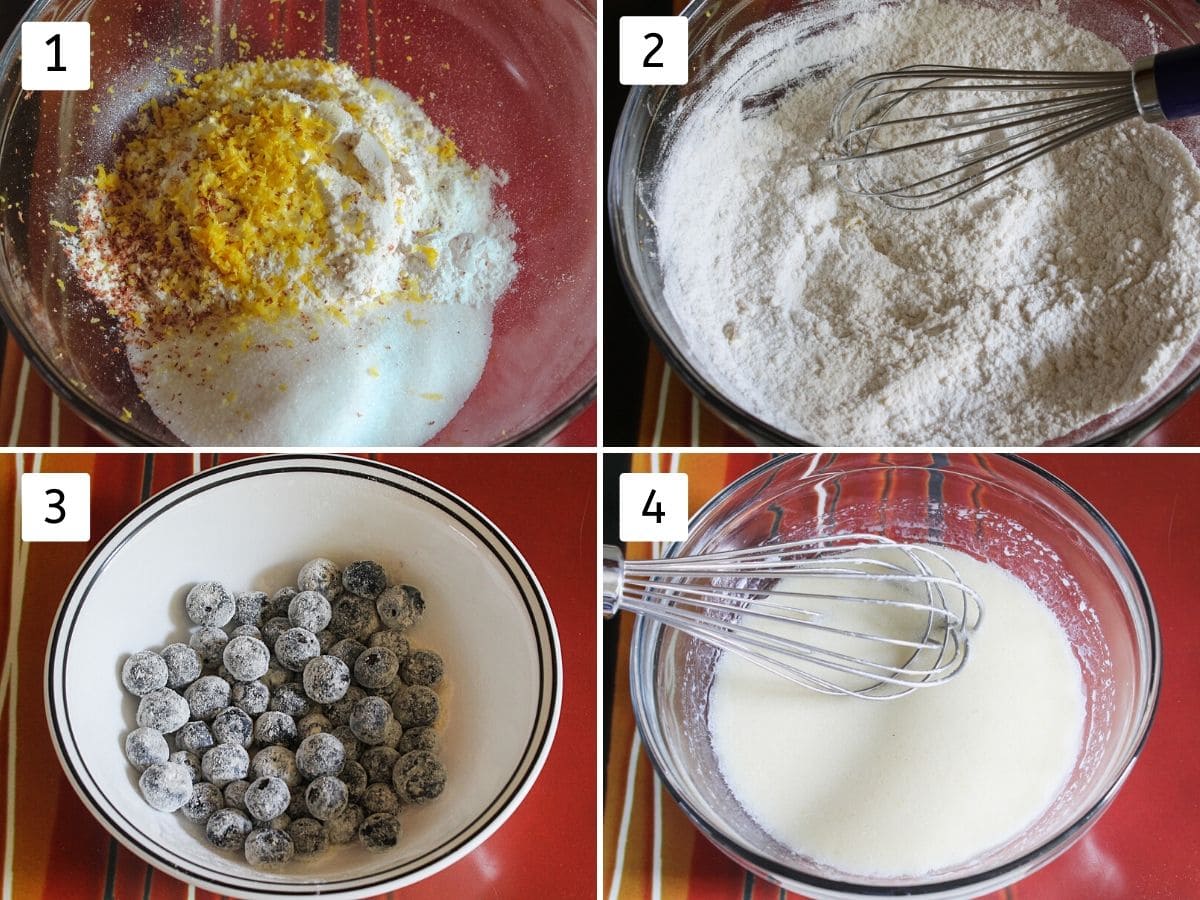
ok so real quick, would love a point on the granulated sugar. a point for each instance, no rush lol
(1011, 317)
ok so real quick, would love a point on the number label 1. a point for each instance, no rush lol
(654, 507)
(56, 56)
(56, 506)
(56, 42)
(653, 49)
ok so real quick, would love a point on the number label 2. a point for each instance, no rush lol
(646, 63)
(653, 50)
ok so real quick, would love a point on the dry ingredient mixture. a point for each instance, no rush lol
(296, 255)
(1009, 318)
(294, 722)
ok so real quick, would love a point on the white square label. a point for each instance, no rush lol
(654, 507)
(56, 56)
(654, 50)
(56, 507)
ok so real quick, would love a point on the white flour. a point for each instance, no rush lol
(1010, 318)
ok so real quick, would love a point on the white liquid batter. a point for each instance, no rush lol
(920, 783)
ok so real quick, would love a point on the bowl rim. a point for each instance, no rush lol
(495, 812)
(120, 432)
(990, 879)
(734, 415)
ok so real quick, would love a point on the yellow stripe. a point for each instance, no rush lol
(14, 435)
(664, 387)
(55, 414)
(635, 753)
(657, 859)
(10, 682)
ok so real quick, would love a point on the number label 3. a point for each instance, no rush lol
(653, 50)
(56, 507)
(654, 507)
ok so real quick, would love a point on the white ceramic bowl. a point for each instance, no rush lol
(252, 525)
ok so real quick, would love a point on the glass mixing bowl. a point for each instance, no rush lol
(513, 80)
(642, 140)
(1001, 509)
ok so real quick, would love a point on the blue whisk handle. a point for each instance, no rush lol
(1177, 77)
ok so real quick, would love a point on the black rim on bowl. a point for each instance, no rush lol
(495, 811)
(622, 158)
(1026, 863)
(97, 416)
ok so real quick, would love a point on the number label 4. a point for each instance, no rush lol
(654, 507)
(657, 513)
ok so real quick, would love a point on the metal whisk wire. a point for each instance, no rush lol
(986, 141)
(731, 599)
(921, 136)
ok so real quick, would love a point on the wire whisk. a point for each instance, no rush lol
(922, 136)
(855, 614)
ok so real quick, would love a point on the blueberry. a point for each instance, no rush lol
(364, 578)
(326, 797)
(166, 786)
(143, 672)
(227, 829)
(163, 710)
(326, 679)
(210, 603)
(246, 658)
(267, 798)
(400, 606)
(268, 847)
(379, 832)
(310, 610)
(418, 776)
(145, 747)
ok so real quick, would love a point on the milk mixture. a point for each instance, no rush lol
(920, 783)
(296, 256)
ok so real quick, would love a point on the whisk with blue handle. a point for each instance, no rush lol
(922, 136)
